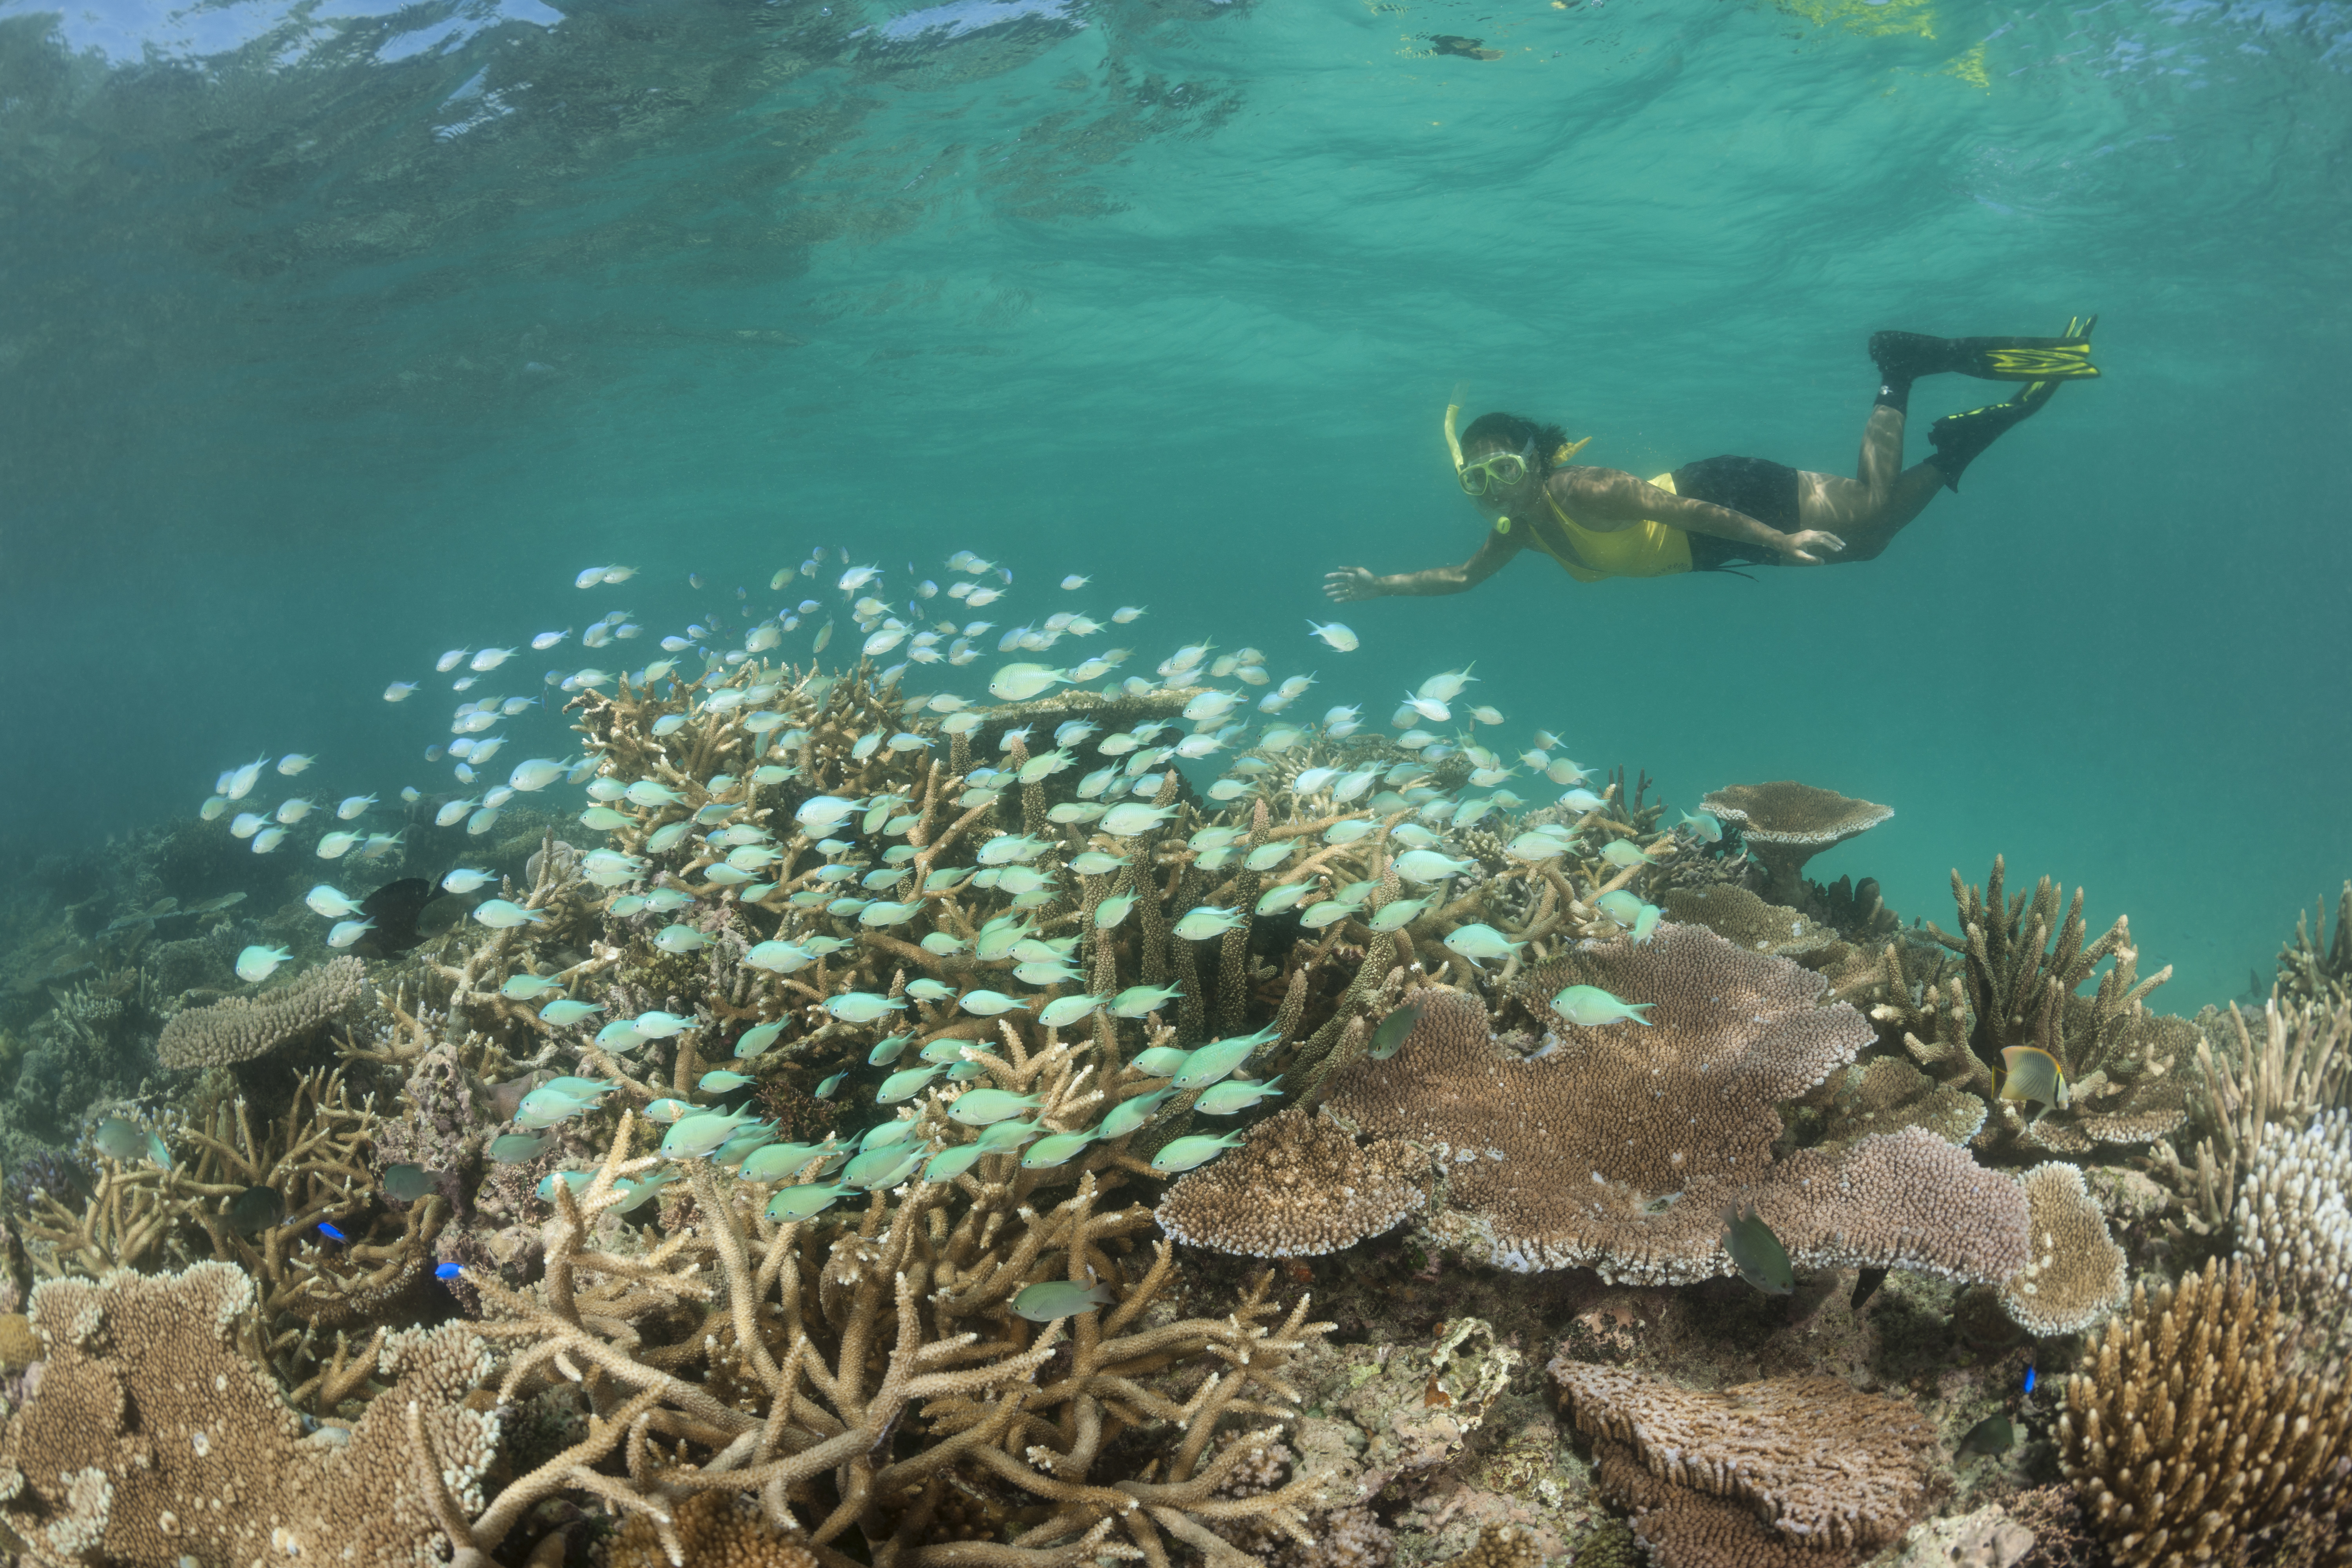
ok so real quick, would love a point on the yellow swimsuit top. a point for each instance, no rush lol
(1645, 550)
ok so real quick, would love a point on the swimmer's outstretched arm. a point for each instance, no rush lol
(1602, 496)
(1352, 582)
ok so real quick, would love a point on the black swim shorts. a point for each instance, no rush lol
(1753, 487)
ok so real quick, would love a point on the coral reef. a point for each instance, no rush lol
(2077, 1275)
(1068, 1042)
(2190, 1440)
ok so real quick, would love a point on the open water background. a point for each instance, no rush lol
(335, 334)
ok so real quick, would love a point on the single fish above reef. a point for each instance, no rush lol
(1337, 636)
(1186, 1153)
(1704, 827)
(1591, 1008)
(330, 903)
(258, 964)
(1757, 1252)
(2031, 1073)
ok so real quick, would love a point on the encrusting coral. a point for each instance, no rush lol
(1786, 1471)
(2191, 1440)
(243, 1027)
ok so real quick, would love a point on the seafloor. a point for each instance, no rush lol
(1871, 1235)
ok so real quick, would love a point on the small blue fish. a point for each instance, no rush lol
(447, 1272)
(825, 1090)
(328, 1230)
(2028, 1380)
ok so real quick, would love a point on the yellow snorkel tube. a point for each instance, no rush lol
(1454, 443)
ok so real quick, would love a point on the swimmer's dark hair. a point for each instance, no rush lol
(1512, 434)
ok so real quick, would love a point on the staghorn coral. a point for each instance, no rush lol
(1785, 824)
(2189, 1439)
(1619, 1148)
(816, 1341)
(1812, 1466)
(2077, 1275)
(2301, 1064)
(2291, 1223)
(243, 1027)
(150, 1442)
(2023, 967)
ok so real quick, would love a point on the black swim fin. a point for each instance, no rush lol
(1903, 355)
(1960, 439)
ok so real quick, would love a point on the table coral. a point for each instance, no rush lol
(1802, 1466)
(2077, 1275)
(243, 1027)
(151, 1441)
(1620, 1147)
(1785, 824)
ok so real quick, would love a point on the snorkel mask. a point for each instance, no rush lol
(1499, 471)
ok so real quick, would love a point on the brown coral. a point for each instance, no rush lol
(2077, 1273)
(150, 1441)
(1618, 1147)
(243, 1027)
(1819, 1466)
(2187, 1438)
(1501, 1546)
(1301, 1187)
(1785, 824)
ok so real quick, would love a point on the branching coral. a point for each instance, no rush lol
(2292, 1220)
(2024, 966)
(2300, 1064)
(2317, 967)
(777, 1360)
(2189, 1438)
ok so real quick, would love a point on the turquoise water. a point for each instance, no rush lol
(334, 335)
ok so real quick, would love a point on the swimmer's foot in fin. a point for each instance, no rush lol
(1959, 439)
(1900, 356)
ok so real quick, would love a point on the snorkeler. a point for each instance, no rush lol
(1709, 515)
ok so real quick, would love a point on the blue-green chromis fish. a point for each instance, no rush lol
(905, 1085)
(1054, 1149)
(757, 1038)
(950, 1164)
(718, 1080)
(804, 1202)
(563, 1012)
(1130, 1114)
(514, 1148)
(1138, 1001)
(1234, 1096)
(979, 1106)
(1159, 1061)
(1591, 1008)
(1219, 1058)
(1186, 1153)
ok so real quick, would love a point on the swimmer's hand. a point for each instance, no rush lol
(1350, 584)
(1795, 548)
